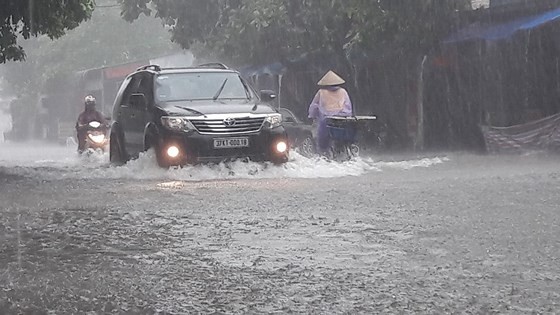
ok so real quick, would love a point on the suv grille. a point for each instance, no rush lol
(223, 126)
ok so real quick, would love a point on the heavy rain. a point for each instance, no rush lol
(279, 157)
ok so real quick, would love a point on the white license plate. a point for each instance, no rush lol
(224, 143)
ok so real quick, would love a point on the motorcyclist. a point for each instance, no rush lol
(330, 100)
(88, 115)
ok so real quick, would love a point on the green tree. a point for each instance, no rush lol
(404, 26)
(32, 18)
(395, 35)
(104, 40)
(257, 30)
(249, 29)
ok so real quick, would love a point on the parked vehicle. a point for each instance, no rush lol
(300, 135)
(192, 115)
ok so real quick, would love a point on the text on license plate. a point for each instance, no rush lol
(231, 143)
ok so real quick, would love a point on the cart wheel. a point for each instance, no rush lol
(329, 154)
(353, 150)
(340, 152)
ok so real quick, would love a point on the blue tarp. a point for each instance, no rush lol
(502, 31)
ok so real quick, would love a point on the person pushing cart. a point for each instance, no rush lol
(331, 100)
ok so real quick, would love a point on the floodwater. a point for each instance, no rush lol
(432, 233)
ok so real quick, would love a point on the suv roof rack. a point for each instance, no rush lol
(215, 65)
(146, 67)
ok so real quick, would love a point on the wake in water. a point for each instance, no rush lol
(64, 162)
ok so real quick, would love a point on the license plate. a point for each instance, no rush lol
(224, 143)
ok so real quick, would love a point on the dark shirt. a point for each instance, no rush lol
(88, 116)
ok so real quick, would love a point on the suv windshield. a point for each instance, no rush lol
(200, 86)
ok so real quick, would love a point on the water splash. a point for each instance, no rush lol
(63, 162)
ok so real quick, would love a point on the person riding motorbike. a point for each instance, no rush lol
(87, 116)
(330, 100)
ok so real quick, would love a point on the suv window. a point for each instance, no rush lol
(121, 92)
(200, 86)
(145, 86)
(132, 87)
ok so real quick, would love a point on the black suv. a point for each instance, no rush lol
(191, 115)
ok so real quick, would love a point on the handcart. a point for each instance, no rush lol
(343, 132)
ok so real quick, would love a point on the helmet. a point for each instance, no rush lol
(89, 100)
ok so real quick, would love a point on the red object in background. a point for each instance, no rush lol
(442, 61)
(121, 71)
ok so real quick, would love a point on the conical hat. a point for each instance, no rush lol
(331, 78)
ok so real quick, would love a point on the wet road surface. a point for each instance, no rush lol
(439, 233)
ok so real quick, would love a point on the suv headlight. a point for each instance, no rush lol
(273, 121)
(177, 123)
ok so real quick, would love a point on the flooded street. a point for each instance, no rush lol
(443, 233)
(422, 222)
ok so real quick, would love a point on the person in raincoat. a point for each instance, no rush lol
(330, 100)
(88, 115)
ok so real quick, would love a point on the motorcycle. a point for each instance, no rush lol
(96, 137)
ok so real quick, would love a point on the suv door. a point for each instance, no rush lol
(140, 112)
(128, 116)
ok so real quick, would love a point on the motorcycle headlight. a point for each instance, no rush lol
(95, 124)
(97, 138)
(177, 123)
(273, 121)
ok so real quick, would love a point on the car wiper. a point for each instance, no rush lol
(220, 90)
(192, 110)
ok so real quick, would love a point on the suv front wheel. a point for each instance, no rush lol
(116, 153)
(153, 142)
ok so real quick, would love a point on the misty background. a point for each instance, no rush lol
(434, 72)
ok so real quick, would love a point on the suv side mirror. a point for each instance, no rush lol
(288, 119)
(138, 100)
(268, 95)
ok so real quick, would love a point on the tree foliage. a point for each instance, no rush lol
(372, 44)
(266, 30)
(31, 18)
(103, 40)
(248, 30)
